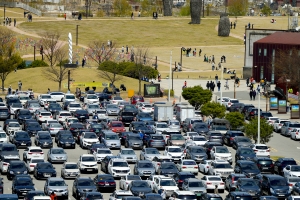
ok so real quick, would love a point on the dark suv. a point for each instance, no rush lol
(246, 107)
(248, 185)
(264, 164)
(251, 113)
(229, 135)
(246, 167)
(282, 163)
(22, 184)
(238, 196)
(275, 185)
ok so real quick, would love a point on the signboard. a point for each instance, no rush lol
(151, 90)
(295, 114)
(282, 106)
(273, 103)
(86, 84)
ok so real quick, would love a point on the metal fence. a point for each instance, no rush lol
(21, 5)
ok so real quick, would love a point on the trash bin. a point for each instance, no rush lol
(224, 70)
(117, 94)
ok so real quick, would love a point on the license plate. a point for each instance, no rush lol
(281, 195)
(23, 144)
(265, 168)
(261, 151)
(47, 175)
(198, 195)
(89, 169)
(58, 194)
(106, 184)
(68, 145)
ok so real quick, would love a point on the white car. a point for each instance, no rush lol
(145, 107)
(119, 194)
(204, 165)
(210, 183)
(87, 163)
(42, 98)
(118, 167)
(91, 98)
(70, 170)
(188, 166)
(121, 104)
(101, 114)
(126, 180)
(87, 139)
(73, 106)
(220, 168)
(166, 183)
(42, 115)
(62, 115)
(199, 140)
(32, 163)
(271, 120)
(231, 102)
(14, 107)
(23, 99)
(175, 152)
(33, 152)
(221, 153)
(57, 96)
(159, 127)
(295, 134)
(115, 100)
(68, 97)
(261, 150)
(174, 124)
(291, 170)
(278, 124)
(225, 100)
(45, 125)
(188, 135)
(101, 153)
(3, 137)
(13, 127)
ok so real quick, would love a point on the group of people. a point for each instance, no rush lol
(211, 85)
(7, 22)
(29, 17)
(9, 90)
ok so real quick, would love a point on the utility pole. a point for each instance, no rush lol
(69, 72)
(77, 35)
(33, 52)
(4, 11)
(86, 8)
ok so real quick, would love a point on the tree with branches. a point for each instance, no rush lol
(109, 70)
(55, 54)
(238, 7)
(9, 59)
(122, 8)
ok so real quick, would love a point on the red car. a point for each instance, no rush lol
(136, 99)
(117, 126)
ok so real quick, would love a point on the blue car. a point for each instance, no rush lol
(144, 117)
(22, 184)
(44, 170)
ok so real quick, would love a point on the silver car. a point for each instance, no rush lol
(92, 108)
(70, 170)
(149, 153)
(112, 109)
(128, 154)
(33, 107)
(194, 185)
(111, 139)
(144, 168)
(57, 155)
(53, 128)
(58, 186)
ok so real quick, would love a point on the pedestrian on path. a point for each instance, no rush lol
(247, 81)
(200, 51)
(65, 16)
(9, 90)
(207, 85)
(212, 66)
(254, 95)
(234, 25)
(219, 85)
(250, 94)
(15, 22)
(216, 78)
(20, 85)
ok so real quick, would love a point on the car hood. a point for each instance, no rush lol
(112, 109)
(103, 155)
(25, 116)
(72, 170)
(58, 187)
(128, 156)
(10, 153)
(89, 163)
(14, 128)
(93, 188)
(43, 141)
(90, 140)
(67, 140)
(175, 154)
(201, 130)
(46, 170)
(295, 173)
(223, 154)
(23, 139)
(251, 172)
(140, 189)
(199, 154)
(151, 155)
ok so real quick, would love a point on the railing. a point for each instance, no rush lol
(21, 5)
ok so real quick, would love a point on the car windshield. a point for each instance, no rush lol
(112, 137)
(189, 162)
(16, 165)
(200, 126)
(55, 125)
(196, 184)
(34, 105)
(71, 166)
(57, 183)
(141, 184)
(24, 112)
(120, 164)
(45, 137)
(214, 178)
(168, 166)
(295, 168)
(74, 105)
(36, 161)
(117, 125)
(94, 106)
(133, 177)
(152, 151)
(17, 105)
(145, 165)
(70, 97)
(157, 137)
(127, 152)
(85, 183)
(187, 196)
(96, 126)
(65, 114)
(109, 106)
(92, 97)
(88, 159)
(174, 150)
(14, 125)
(222, 150)
(162, 126)
(249, 166)
(54, 105)
(199, 139)
(24, 182)
(134, 137)
(9, 148)
(103, 151)
(223, 165)
(197, 150)
(90, 135)
(261, 147)
(58, 151)
(22, 136)
(33, 125)
(67, 137)
(247, 151)
(46, 166)
(177, 137)
(174, 123)
(167, 183)
(279, 182)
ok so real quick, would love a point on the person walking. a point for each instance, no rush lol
(247, 81)
(15, 22)
(122, 49)
(250, 94)
(9, 90)
(212, 66)
(65, 16)
(213, 86)
(132, 15)
(20, 85)
(53, 196)
(254, 94)
(207, 85)
(219, 85)
(185, 84)
(234, 25)
(126, 49)
(200, 51)
(216, 78)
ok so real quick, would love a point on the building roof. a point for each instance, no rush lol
(290, 38)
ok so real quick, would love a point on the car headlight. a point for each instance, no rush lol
(272, 191)
(62, 142)
(25, 172)
(242, 157)
(11, 172)
(114, 170)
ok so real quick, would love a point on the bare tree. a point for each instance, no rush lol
(58, 73)
(109, 70)
(51, 44)
(99, 51)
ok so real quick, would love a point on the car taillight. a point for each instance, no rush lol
(180, 181)
(221, 183)
(5, 164)
(51, 116)
(280, 124)
(143, 108)
(251, 113)
(229, 104)
(113, 183)
(268, 150)
(208, 183)
(272, 165)
(72, 129)
(196, 167)
(296, 133)
(167, 136)
(184, 151)
(40, 116)
(31, 165)
(290, 128)
(258, 165)
(120, 118)
(60, 116)
(158, 163)
(290, 184)
(232, 180)
(134, 118)
(207, 166)
(183, 167)
(231, 138)
(29, 153)
(151, 141)
(41, 152)
(51, 129)
(101, 183)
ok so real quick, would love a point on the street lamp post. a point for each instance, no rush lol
(221, 91)
(258, 120)
(4, 11)
(169, 95)
(77, 35)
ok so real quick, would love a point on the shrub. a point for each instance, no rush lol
(38, 63)
(185, 10)
(22, 65)
(166, 93)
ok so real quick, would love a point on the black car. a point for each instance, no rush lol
(32, 193)
(138, 187)
(181, 176)
(22, 184)
(44, 139)
(75, 127)
(229, 136)
(6, 122)
(236, 107)
(81, 115)
(105, 182)
(246, 107)
(44, 170)
(296, 189)
(4, 113)
(241, 141)
(66, 140)
(12, 100)
(136, 126)
(248, 185)
(103, 96)
(246, 167)
(238, 196)
(167, 168)
(200, 127)
(15, 168)
(96, 128)
(27, 121)
(265, 114)
(244, 153)
(275, 185)
(10, 150)
(126, 117)
(32, 128)
(54, 107)
(95, 146)
(82, 185)
(282, 163)
(91, 196)
(62, 132)
(264, 164)
(21, 139)
(131, 108)
(104, 163)
(209, 145)
(207, 196)
(23, 114)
